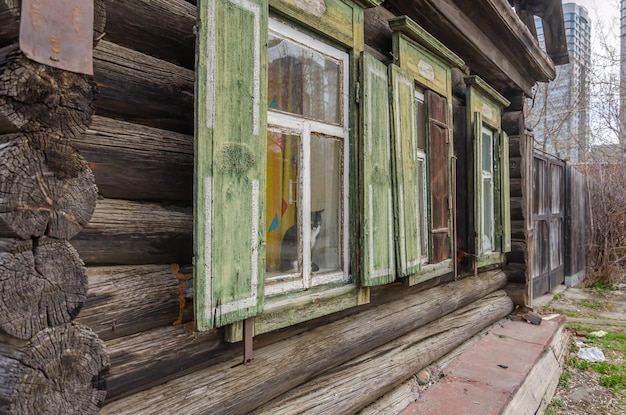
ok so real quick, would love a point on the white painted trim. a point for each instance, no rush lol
(208, 248)
(305, 208)
(210, 19)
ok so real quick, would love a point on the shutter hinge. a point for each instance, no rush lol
(357, 92)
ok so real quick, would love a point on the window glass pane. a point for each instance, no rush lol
(487, 151)
(423, 204)
(420, 117)
(326, 203)
(488, 215)
(303, 81)
(282, 235)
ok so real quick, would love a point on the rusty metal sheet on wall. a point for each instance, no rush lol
(58, 33)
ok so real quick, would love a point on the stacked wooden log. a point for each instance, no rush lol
(520, 162)
(48, 363)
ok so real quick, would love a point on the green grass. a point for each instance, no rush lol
(601, 288)
(565, 377)
(596, 305)
(614, 346)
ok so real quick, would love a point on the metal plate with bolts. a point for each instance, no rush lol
(58, 33)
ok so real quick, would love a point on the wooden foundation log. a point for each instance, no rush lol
(137, 364)
(125, 300)
(134, 233)
(139, 88)
(60, 370)
(380, 370)
(46, 187)
(160, 28)
(281, 366)
(518, 293)
(41, 284)
(10, 11)
(135, 162)
(36, 97)
(516, 273)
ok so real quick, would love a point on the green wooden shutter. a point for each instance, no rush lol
(476, 174)
(230, 160)
(405, 166)
(505, 198)
(438, 150)
(377, 243)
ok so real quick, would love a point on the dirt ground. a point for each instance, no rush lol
(579, 391)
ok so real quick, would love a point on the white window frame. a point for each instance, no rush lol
(488, 175)
(423, 204)
(286, 123)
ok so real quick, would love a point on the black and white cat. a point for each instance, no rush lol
(289, 246)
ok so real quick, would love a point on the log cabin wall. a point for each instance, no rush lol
(519, 260)
(139, 148)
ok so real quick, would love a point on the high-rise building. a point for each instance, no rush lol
(558, 112)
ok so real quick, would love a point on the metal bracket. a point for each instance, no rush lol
(248, 326)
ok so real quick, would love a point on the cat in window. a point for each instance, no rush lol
(289, 245)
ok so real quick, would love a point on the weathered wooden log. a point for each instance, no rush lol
(41, 284)
(518, 293)
(161, 28)
(36, 97)
(515, 272)
(134, 233)
(379, 370)
(515, 167)
(282, 366)
(46, 187)
(518, 252)
(137, 364)
(517, 210)
(60, 370)
(10, 21)
(124, 300)
(135, 162)
(140, 88)
(378, 33)
(513, 122)
(518, 229)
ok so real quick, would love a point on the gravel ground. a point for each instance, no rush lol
(580, 392)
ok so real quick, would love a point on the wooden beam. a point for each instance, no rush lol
(379, 370)
(490, 39)
(160, 28)
(139, 88)
(279, 367)
(132, 233)
(135, 162)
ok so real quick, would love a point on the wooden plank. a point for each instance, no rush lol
(281, 366)
(439, 167)
(333, 18)
(536, 391)
(377, 232)
(406, 168)
(230, 161)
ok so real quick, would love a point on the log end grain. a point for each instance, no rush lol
(41, 284)
(36, 97)
(46, 187)
(60, 370)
